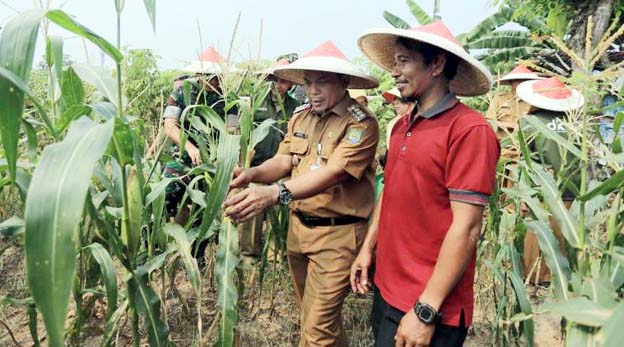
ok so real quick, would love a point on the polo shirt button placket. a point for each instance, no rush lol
(409, 133)
(404, 148)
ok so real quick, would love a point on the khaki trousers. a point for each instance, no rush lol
(320, 259)
(532, 252)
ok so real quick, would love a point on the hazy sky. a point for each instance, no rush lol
(288, 25)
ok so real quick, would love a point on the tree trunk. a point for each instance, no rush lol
(600, 11)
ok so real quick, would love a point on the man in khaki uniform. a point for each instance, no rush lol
(506, 109)
(550, 100)
(328, 151)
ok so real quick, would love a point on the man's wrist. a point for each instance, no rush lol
(189, 146)
(275, 190)
(430, 300)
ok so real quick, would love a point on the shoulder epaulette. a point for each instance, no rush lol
(302, 107)
(358, 112)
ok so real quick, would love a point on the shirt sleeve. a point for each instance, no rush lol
(471, 165)
(175, 104)
(356, 150)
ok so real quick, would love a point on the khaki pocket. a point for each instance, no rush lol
(299, 146)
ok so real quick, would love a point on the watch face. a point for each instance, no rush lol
(426, 315)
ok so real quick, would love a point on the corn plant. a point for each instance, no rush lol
(93, 199)
(587, 277)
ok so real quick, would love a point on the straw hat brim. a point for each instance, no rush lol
(295, 72)
(472, 77)
(519, 76)
(203, 67)
(526, 93)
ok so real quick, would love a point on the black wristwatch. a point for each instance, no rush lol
(427, 314)
(285, 196)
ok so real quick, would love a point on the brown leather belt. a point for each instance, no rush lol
(312, 221)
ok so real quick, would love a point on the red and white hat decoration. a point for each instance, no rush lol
(326, 57)
(550, 94)
(472, 77)
(208, 62)
(520, 72)
(391, 94)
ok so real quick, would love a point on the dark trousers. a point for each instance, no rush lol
(385, 321)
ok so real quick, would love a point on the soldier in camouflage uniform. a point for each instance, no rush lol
(279, 105)
(204, 91)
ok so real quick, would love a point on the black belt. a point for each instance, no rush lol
(312, 221)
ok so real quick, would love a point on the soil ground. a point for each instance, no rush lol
(268, 315)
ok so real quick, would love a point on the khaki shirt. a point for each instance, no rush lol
(506, 107)
(348, 135)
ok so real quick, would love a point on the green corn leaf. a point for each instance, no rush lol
(54, 57)
(246, 126)
(612, 333)
(17, 46)
(552, 199)
(32, 324)
(395, 21)
(227, 294)
(123, 144)
(71, 88)
(99, 78)
(158, 189)
(20, 85)
(227, 157)
(580, 336)
(70, 114)
(436, 10)
(599, 290)
(147, 304)
(556, 262)
(580, 310)
(109, 277)
(184, 248)
(551, 135)
(111, 324)
(525, 307)
(616, 182)
(53, 209)
(261, 131)
(158, 261)
(105, 109)
(158, 234)
(63, 20)
(616, 147)
(150, 7)
(31, 140)
(419, 13)
(12, 227)
(131, 237)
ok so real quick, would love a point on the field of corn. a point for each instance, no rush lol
(90, 257)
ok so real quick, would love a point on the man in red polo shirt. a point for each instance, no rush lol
(440, 171)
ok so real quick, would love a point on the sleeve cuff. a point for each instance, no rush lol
(172, 112)
(354, 171)
(468, 197)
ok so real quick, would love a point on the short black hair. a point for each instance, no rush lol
(429, 52)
